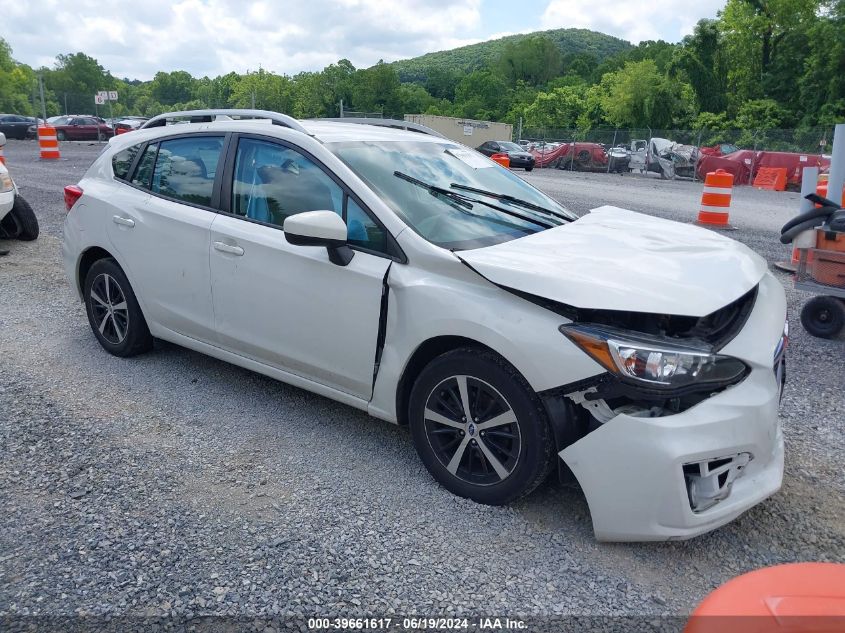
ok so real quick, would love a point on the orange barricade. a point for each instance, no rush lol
(2, 156)
(502, 159)
(773, 178)
(48, 143)
(716, 200)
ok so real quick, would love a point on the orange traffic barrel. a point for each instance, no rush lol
(503, 159)
(793, 598)
(48, 143)
(716, 200)
(2, 155)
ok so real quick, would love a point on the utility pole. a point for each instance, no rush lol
(65, 104)
(253, 99)
(341, 108)
(519, 130)
(41, 90)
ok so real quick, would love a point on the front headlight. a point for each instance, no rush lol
(6, 184)
(659, 363)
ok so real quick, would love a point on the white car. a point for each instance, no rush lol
(413, 278)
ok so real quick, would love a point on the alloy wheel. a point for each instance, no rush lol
(108, 305)
(472, 430)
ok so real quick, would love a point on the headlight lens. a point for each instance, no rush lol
(6, 184)
(656, 362)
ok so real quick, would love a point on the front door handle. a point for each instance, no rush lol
(228, 248)
(123, 221)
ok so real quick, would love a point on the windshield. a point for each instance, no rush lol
(449, 223)
(511, 147)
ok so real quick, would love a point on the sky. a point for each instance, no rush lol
(212, 37)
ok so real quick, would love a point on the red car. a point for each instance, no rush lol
(81, 128)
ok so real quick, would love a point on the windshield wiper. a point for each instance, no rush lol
(466, 201)
(512, 200)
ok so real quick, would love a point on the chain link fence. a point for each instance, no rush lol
(816, 140)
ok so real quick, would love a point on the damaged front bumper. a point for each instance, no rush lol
(678, 476)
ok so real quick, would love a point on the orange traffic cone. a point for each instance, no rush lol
(2, 156)
(48, 143)
(716, 200)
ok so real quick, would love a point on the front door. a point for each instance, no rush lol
(289, 306)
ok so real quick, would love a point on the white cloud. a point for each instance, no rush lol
(211, 37)
(632, 20)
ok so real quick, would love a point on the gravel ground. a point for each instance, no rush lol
(176, 484)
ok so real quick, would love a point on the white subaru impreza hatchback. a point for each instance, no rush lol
(410, 277)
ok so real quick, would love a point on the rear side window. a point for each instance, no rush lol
(145, 167)
(122, 161)
(185, 168)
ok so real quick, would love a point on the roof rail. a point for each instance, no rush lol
(398, 124)
(206, 116)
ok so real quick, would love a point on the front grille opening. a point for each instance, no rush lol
(710, 481)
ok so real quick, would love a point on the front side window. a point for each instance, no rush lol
(185, 168)
(463, 219)
(273, 182)
(122, 161)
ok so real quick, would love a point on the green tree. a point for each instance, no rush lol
(560, 108)
(172, 88)
(638, 95)
(701, 61)
(376, 89)
(534, 60)
(263, 90)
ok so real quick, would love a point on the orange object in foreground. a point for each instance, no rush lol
(48, 143)
(795, 598)
(502, 159)
(716, 200)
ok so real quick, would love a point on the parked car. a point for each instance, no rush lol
(518, 156)
(410, 277)
(129, 124)
(15, 125)
(17, 220)
(82, 128)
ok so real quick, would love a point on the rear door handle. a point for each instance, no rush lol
(123, 221)
(228, 248)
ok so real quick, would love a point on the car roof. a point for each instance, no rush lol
(323, 131)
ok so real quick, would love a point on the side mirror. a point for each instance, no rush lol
(320, 228)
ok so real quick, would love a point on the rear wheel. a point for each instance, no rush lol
(823, 316)
(113, 311)
(479, 428)
(529, 168)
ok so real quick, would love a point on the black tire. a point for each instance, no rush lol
(121, 331)
(523, 449)
(529, 168)
(61, 136)
(21, 222)
(823, 316)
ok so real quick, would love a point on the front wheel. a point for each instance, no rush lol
(61, 136)
(479, 428)
(113, 311)
(20, 223)
(529, 168)
(823, 316)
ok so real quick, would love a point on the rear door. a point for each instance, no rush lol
(163, 236)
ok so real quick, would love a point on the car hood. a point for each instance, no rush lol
(615, 259)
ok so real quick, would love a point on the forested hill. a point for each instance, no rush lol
(465, 59)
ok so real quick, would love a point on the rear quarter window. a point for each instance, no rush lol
(122, 161)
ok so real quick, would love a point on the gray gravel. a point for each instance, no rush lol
(175, 484)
